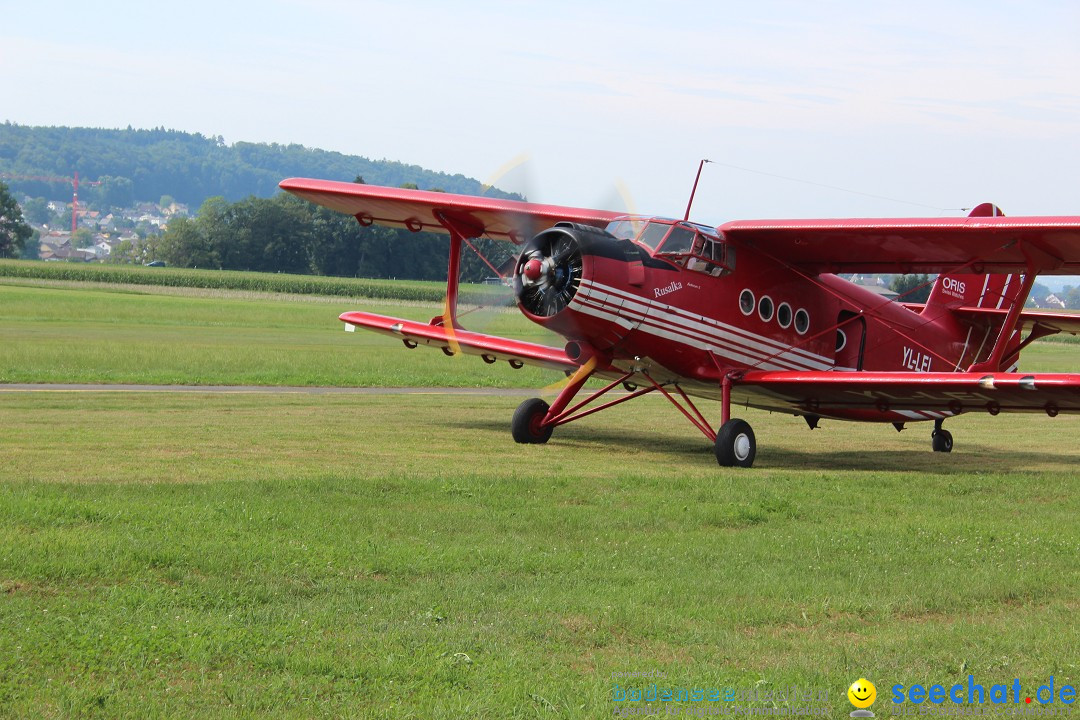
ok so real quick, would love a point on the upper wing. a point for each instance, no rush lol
(914, 396)
(432, 211)
(917, 245)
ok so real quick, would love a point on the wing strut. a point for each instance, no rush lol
(458, 230)
(453, 280)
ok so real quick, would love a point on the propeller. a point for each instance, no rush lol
(549, 268)
(549, 272)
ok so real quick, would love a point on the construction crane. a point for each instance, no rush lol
(73, 181)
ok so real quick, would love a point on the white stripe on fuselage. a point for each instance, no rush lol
(681, 336)
(614, 310)
(705, 333)
(682, 315)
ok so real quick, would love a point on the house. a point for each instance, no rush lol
(1053, 301)
(101, 248)
(63, 251)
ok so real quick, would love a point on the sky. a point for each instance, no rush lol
(832, 108)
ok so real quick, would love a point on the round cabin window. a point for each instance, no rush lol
(765, 308)
(746, 302)
(802, 321)
(783, 315)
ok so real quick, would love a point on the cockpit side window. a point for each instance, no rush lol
(699, 250)
(680, 240)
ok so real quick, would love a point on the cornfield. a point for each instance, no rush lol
(407, 290)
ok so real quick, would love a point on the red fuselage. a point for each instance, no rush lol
(694, 315)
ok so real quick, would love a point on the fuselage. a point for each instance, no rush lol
(679, 302)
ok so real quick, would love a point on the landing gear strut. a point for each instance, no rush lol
(942, 439)
(534, 420)
(734, 445)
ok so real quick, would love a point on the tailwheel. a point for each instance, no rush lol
(942, 440)
(528, 423)
(735, 444)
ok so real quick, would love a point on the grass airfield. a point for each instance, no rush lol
(285, 555)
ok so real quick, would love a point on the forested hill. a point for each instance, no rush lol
(144, 165)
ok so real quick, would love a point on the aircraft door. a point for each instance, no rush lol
(850, 340)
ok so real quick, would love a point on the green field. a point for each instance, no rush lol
(293, 555)
(137, 275)
(77, 332)
(96, 334)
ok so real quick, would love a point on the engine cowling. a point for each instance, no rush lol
(549, 271)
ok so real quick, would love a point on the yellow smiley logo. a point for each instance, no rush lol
(862, 693)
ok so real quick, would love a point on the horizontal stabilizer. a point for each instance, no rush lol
(1061, 322)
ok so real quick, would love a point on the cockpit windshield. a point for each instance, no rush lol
(626, 228)
(695, 247)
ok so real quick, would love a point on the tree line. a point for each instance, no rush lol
(142, 165)
(289, 235)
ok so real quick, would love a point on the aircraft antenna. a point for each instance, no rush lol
(700, 166)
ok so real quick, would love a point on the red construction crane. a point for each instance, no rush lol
(73, 181)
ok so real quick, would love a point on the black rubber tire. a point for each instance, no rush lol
(942, 440)
(526, 426)
(735, 444)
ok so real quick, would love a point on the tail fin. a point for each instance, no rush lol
(954, 292)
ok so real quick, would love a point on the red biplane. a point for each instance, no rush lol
(750, 313)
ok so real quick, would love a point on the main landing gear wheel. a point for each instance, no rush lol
(528, 423)
(942, 440)
(735, 444)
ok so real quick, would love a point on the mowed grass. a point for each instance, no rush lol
(340, 556)
(284, 555)
(101, 334)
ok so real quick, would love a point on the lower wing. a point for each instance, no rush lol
(454, 340)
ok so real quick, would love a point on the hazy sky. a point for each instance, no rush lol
(939, 104)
